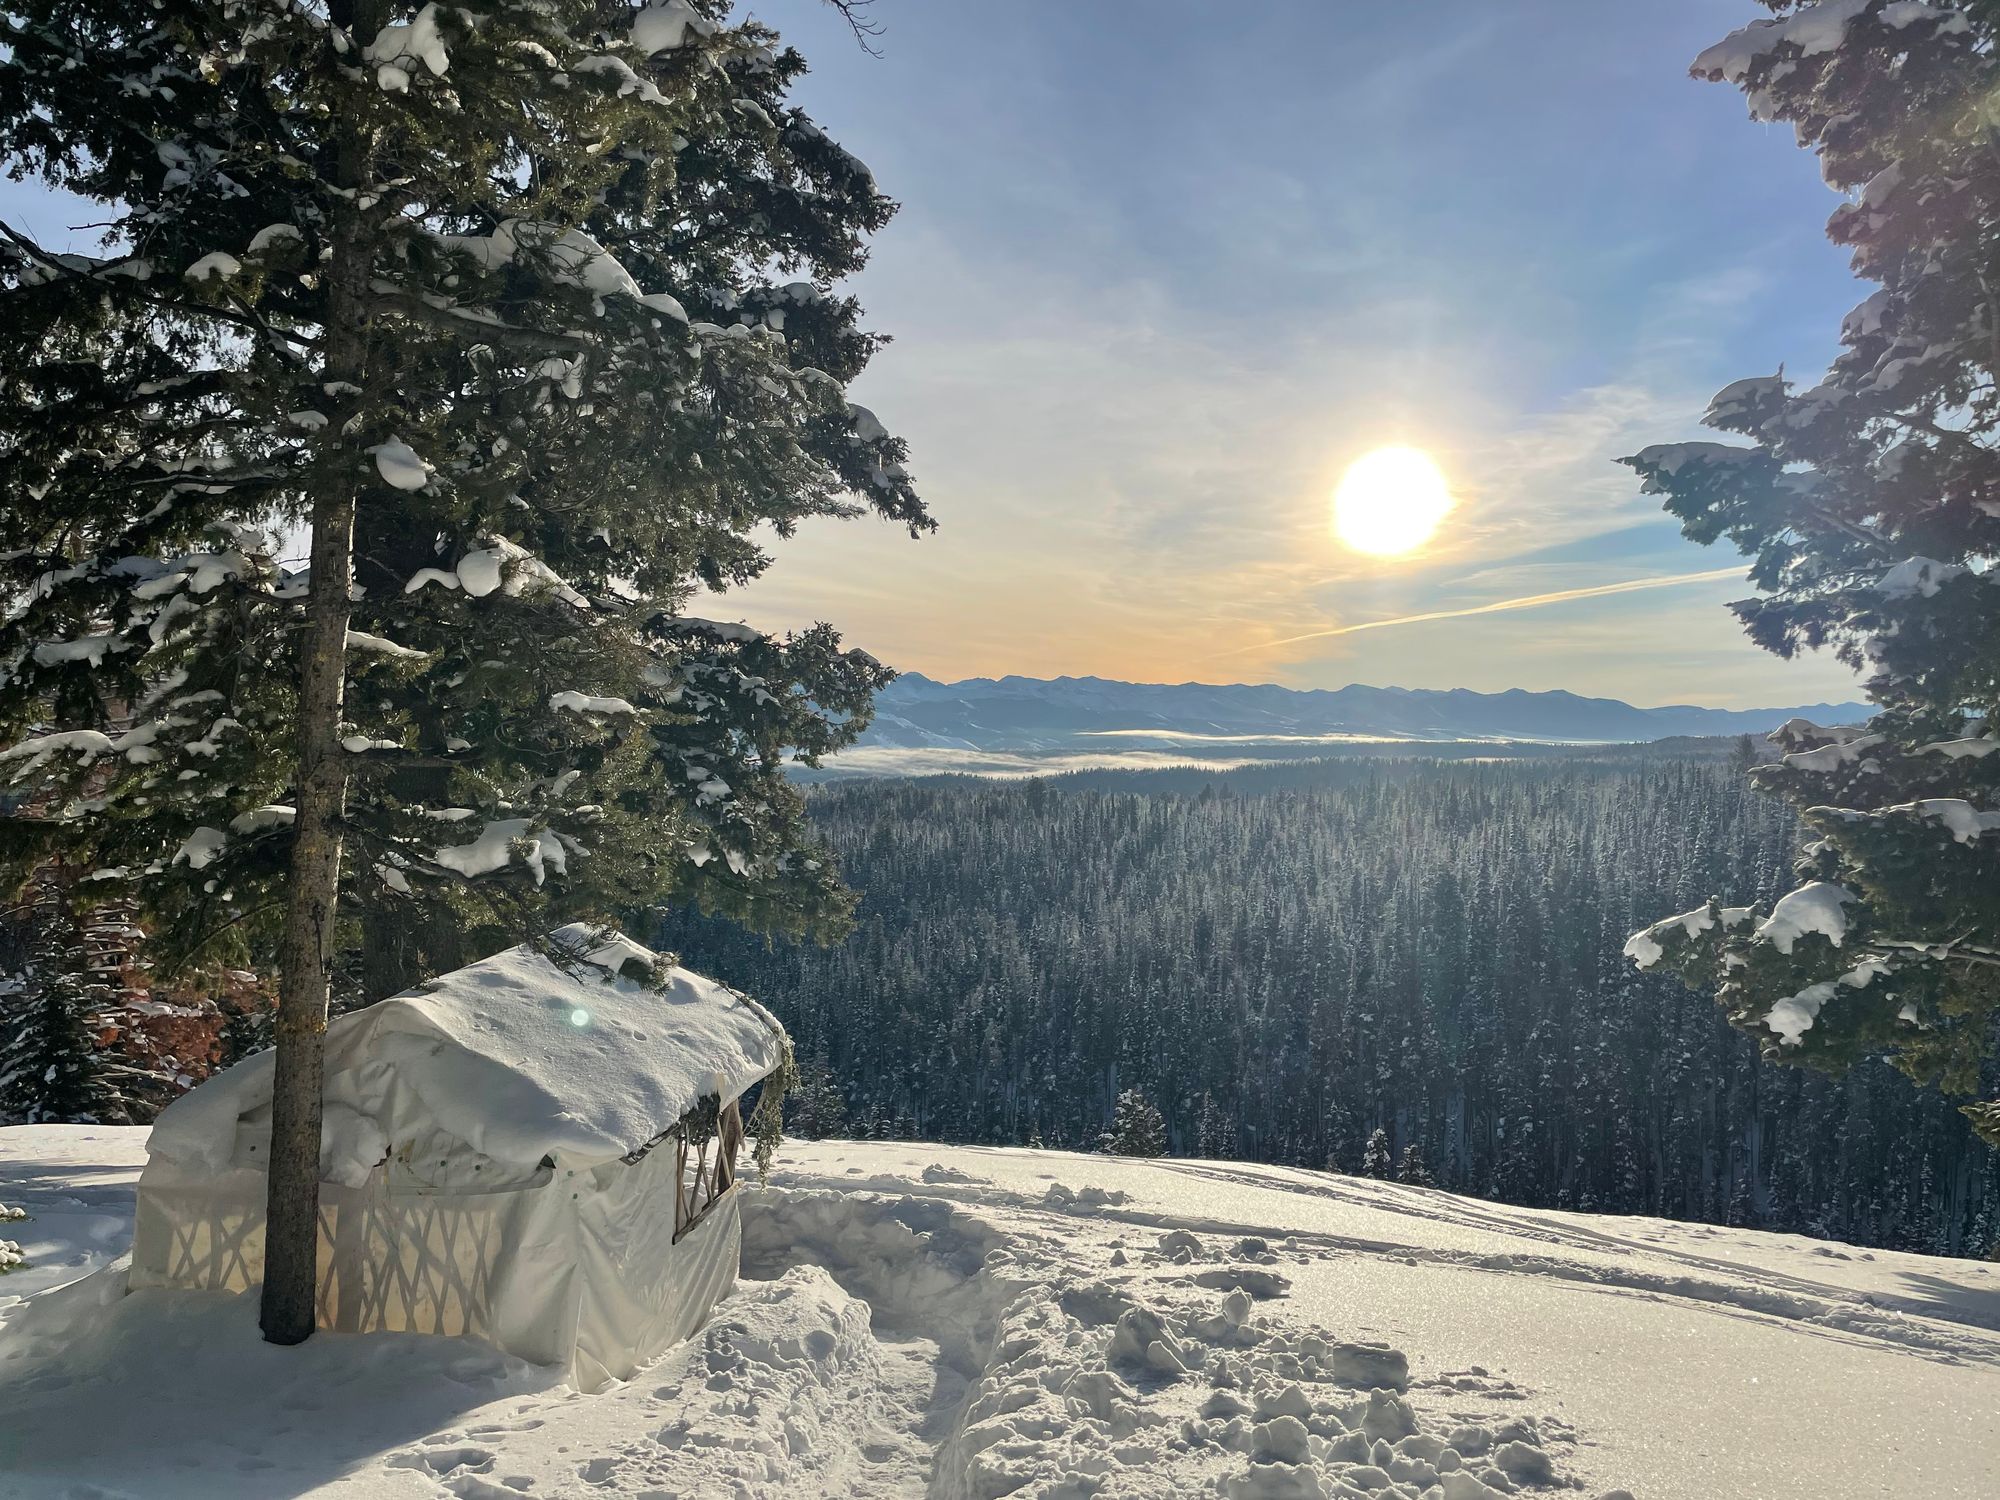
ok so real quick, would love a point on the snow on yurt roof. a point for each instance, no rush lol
(515, 1057)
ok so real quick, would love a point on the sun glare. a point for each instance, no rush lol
(1390, 502)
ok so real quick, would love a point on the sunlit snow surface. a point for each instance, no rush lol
(938, 1321)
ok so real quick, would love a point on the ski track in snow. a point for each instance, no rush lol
(965, 1323)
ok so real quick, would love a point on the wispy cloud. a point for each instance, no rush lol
(1527, 601)
(1132, 364)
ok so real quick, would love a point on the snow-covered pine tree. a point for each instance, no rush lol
(1137, 1127)
(1410, 1167)
(1871, 505)
(1214, 1134)
(516, 314)
(814, 1107)
(51, 1013)
(1376, 1158)
(73, 985)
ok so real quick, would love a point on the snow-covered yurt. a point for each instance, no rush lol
(533, 1157)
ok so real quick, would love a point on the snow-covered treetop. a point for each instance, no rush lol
(602, 367)
(1870, 505)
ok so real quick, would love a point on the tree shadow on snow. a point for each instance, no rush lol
(168, 1394)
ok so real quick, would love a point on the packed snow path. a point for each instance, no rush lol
(967, 1324)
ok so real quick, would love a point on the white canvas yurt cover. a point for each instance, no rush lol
(515, 1153)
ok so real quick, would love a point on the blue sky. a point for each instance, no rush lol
(1164, 269)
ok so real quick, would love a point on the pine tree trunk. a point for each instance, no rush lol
(305, 951)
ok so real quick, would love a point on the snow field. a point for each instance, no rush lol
(967, 1324)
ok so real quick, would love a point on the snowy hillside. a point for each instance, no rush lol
(951, 1322)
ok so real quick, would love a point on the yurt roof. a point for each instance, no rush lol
(516, 1057)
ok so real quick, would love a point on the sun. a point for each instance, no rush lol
(1390, 502)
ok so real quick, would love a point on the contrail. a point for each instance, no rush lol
(1530, 601)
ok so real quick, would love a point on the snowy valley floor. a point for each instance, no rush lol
(966, 1324)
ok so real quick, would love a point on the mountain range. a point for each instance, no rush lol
(1040, 715)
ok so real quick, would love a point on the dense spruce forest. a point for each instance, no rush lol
(1286, 958)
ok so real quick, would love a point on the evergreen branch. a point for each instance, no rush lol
(136, 290)
(414, 306)
(1940, 951)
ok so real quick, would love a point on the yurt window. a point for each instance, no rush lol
(706, 1148)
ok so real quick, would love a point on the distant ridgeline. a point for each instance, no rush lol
(1286, 958)
(1043, 714)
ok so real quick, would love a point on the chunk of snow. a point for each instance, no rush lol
(726, 630)
(629, 82)
(210, 744)
(1901, 13)
(271, 815)
(1843, 752)
(90, 648)
(432, 575)
(661, 302)
(401, 45)
(1875, 192)
(274, 234)
(399, 466)
(201, 848)
(1966, 822)
(87, 743)
(1867, 318)
(1916, 576)
(584, 703)
(361, 640)
(1817, 907)
(479, 572)
(198, 572)
(214, 266)
(865, 424)
(1969, 749)
(1792, 1017)
(504, 565)
(1645, 949)
(1670, 458)
(1742, 397)
(571, 255)
(1798, 731)
(540, 849)
(1814, 30)
(663, 26)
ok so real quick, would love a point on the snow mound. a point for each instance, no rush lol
(787, 1383)
(1818, 907)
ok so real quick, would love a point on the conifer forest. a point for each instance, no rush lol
(1286, 958)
